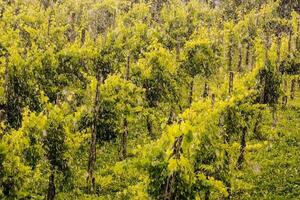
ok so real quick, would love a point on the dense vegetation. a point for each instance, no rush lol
(149, 99)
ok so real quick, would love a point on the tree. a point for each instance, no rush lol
(55, 148)
(157, 71)
(199, 60)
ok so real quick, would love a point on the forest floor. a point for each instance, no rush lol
(275, 172)
(272, 170)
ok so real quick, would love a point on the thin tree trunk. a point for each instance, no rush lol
(240, 160)
(257, 124)
(285, 86)
(284, 101)
(124, 137)
(252, 59)
(92, 153)
(293, 88)
(267, 45)
(278, 50)
(83, 33)
(177, 50)
(169, 188)
(6, 84)
(49, 25)
(290, 42)
(263, 86)
(230, 84)
(207, 194)
(227, 182)
(70, 32)
(247, 54)
(274, 116)
(51, 188)
(230, 55)
(171, 179)
(227, 139)
(127, 73)
(124, 140)
(239, 66)
(191, 91)
(285, 97)
(227, 165)
(298, 33)
(149, 126)
(206, 90)
(171, 117)
(213, 96)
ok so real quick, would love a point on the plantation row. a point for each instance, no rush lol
(147, 99)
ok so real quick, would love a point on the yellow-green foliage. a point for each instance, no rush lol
(186, 99)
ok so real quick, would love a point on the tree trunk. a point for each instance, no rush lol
(213, 96)
(247, 53)
(92, 153)
(252, 60)
(127, 73)
(171, 179)
(293, 88)
(230, 55)
(278, 50)
(149, 126)
(274, 116)
(285, 97)
(267, 45)
(226, 137)
(51, 188)
(290, 42)
(226, 168)
(191, 91)
(124, 140)
(71, 31)
(124, 137)
(227, 182)
(298, 33)
(240, 160)
(171, 117)
(284, 101)
(83, 33)
(206, 90)
(49, 25)
(169, 188)
(231, 76)
(239, 66)
(177, 49)
(262, 82)
(6, 84)
(257, 125)
(285, 86)
(207, 194)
